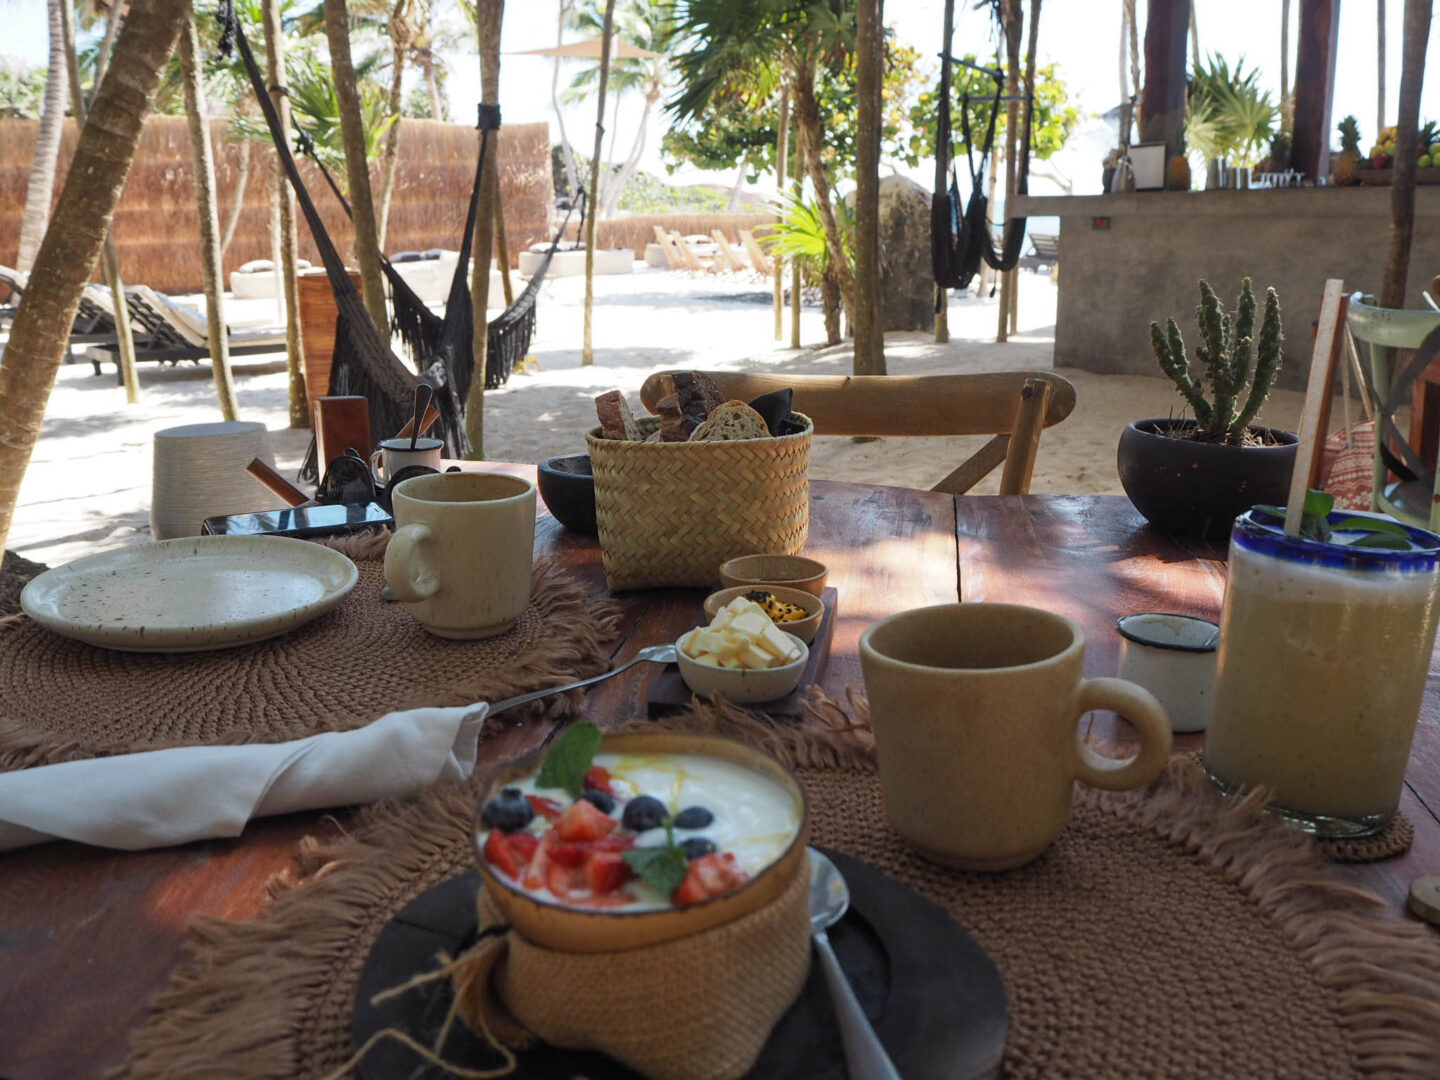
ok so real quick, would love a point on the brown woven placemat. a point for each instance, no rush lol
(1167, 933)
(65, 700)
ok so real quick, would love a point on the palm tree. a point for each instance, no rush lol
(607, 31)
(401, 33)
(40, 337)
(41, 184)
(1407, 121)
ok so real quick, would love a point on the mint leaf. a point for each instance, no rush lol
(1273, 511)
(569, 759)
(1381, 540)
(662, 868)
(1318, 503)
(1371, 525)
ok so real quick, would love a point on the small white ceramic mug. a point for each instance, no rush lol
(1172, 656)
(395, 454)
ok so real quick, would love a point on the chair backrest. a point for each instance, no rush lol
(1013, 407)
(1046, 245)
(164, 326)
(15, 280)
(672, 256)
(758, 259)
(733, 261)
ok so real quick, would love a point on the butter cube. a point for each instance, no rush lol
(751, 623)
(751, 657)
(729, 662)
(705, 641)
(778, 644)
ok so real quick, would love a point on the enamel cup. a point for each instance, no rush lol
(395, 454)
(974, 708)
(462, 551)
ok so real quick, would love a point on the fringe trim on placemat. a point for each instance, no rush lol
(218, 1013)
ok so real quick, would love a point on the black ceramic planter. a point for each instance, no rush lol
(1195, 488)
(568, 488)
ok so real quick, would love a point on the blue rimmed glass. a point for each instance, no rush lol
(1324, 652)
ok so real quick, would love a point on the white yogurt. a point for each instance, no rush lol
(756, 817)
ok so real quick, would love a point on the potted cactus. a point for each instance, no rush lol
(1193, 476)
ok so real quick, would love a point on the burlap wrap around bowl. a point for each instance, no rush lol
(671, 513)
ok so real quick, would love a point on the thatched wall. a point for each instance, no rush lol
(155, 225)
(637, 231)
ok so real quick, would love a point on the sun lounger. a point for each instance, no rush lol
(758, 259)
(727, 254)
(94, 319)
(176, 332)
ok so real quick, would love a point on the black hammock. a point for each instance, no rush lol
(957, 244)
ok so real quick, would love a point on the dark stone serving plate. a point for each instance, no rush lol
(936, 999)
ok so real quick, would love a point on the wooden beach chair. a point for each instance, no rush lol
(672, 256)
(735, 264)
(692, 261)
(762, 263)
(1013, 406)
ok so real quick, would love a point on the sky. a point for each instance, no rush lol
(1081, 36)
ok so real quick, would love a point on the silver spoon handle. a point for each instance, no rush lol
(536, 695)
(864, 1056)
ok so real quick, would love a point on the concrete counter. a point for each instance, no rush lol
(1127, 260)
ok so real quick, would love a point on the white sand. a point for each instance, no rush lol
(88, 486)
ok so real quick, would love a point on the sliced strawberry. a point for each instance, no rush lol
(709, 876)
(523, 844)
(597, 778)
(500, 854)
(567, 854)
(691, 891)
(606, 871)
(583, 821)
(558, 879)
(611, 900)
(549, 809)
(539, 868)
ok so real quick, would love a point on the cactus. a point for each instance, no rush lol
(1238, 368)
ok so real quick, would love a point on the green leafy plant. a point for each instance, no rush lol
(570, 757)
(1227, 115)
(1236, 366)
(800, 234)
(1315, 524)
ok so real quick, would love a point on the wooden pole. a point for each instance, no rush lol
(110, 255)
(1315, 52)
(942, 294)
(1024, 147)
(502, 250)
(1407, 120)
(869, 320)
(587, 354)
(1162, 106)
(1013, 16)
(489, 18)
(1380, 68)
(782, 149)
(289, 234)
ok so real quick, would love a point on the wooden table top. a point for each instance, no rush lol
(88, 935)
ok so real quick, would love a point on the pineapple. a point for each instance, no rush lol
(1177, 173)
(1347, 162)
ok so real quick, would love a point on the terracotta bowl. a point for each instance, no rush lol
(574, 930)
(792, 571)
(804, 628)
(743, 686)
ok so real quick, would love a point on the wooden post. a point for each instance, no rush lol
(869, 320)
(1013, 16)
(299, 412)
(587, 352)
(1314, 85)
(1407, 120)
(799, 187)
(489, 18)
(1162, 106)
(502, 249)
(782, 150)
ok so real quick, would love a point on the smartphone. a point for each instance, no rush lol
(335, 519)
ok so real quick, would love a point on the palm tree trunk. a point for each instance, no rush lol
(782, 152)
(40, 335)
(432, 88)
(1024, 162)
(489, 18)
(571, 174)
(607, 33)
(1380, 69)
(289, 236)
(867, 318)
(737, 189)
(1013, 16)
(357, 166)
(796, 169)
(237, 197)
(812, 139)
(110, 256)
(1287, 108)
(502, 251)
(617, 188)
(400, 42)
(206, 211)
(608, 180)
(1407, 120)
(41, 185)
(1195, 38)
(107, 44)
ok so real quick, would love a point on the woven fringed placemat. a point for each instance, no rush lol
(1167, 933)
(66, 700)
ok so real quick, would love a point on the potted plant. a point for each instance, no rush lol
(1193, 476)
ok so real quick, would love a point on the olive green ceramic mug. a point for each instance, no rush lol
(462, 552)
(974, 708)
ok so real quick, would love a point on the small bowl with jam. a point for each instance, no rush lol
(793, 610)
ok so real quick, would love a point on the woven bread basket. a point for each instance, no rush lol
(671, 513)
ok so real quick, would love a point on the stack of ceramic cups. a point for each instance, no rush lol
(199, 472)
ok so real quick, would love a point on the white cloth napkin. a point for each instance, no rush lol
(165, 797)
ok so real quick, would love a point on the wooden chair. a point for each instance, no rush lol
(1013, 406)
(691, 260)
(727, 253)
(758, 259)
(667, 245)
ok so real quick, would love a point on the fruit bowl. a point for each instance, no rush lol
(551, 924)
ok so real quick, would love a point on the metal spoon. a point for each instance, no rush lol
(829, 900)
(659, 654)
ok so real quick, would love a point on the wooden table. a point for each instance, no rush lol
(86, 935)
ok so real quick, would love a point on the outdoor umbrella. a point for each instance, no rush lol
(590, 50)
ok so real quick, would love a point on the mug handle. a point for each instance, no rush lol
(375, 466)
(407, 571)
(1144, 711)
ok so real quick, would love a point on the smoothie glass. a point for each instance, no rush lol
(1324, 652)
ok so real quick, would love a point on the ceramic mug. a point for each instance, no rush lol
(974, 708)
(395, 454)
(462, 552)
(1172, 656)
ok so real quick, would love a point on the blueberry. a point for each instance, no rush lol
(695, 817)
(697, 846)
(598, 799)
(509, 811)
(644, 812)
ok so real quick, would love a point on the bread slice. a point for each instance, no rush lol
(698, 394)
(616, 421)
(675, 426)
(732, 420)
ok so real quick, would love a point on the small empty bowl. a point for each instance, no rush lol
(1172, 656)
(743, 686)
(792, 571)
(804, 628)
(567, 485)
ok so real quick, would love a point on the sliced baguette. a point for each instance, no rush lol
(732, 420)
(616, 421)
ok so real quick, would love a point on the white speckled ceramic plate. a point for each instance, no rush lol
(190, 594)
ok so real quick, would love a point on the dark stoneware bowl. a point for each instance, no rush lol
(568, 487)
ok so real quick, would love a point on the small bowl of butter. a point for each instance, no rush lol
(743, 655)
(793, 610)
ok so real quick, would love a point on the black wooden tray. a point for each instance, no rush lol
(668, 691)
(935, 998)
